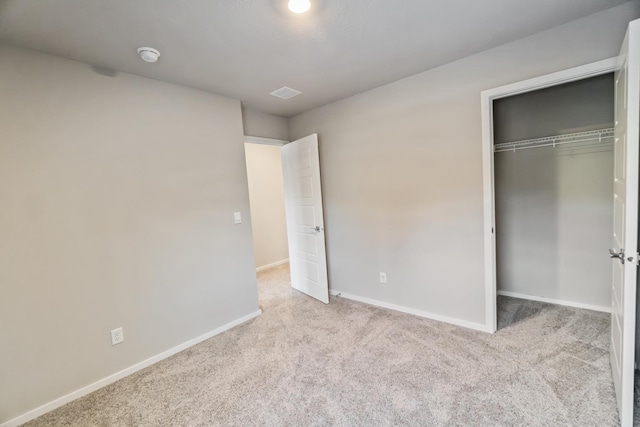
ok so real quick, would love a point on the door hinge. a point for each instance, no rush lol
(634, 259)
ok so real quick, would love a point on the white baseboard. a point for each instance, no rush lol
(273, 264)
(440, 318)
(603, 309)
(47, 407)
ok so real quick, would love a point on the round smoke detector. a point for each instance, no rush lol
(148, 54)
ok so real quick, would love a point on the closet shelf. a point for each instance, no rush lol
(600, 135)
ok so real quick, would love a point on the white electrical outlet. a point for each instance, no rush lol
(383, 277)
(117, 336)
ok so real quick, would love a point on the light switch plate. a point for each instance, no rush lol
(237, 218)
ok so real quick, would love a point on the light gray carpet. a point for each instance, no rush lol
(349, 364)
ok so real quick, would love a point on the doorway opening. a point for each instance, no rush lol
(553, 183)
(267, 206)
(489, 97)
(285, 198)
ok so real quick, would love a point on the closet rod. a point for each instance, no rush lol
(599, 135)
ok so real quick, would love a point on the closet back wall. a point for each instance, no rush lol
(554, 207)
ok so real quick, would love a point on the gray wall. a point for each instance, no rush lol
(257, 123)
(402, 169)
(554, 206)
(266, 194)
(554, 216)
(117, 197)
(572, 107)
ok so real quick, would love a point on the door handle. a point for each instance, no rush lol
(316, 228)
(619, 255)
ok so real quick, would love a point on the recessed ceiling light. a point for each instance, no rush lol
(148, 54)
(285, 92)
(299, 6)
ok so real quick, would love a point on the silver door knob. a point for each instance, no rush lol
(619, 255)
(316, 228)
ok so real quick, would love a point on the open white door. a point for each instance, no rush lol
(305, 221)
(625, 227)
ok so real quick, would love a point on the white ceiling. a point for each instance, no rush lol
(245, 49)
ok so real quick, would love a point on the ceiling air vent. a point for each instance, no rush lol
(285, 92)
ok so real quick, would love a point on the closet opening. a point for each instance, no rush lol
(553, 183)
(557, 116)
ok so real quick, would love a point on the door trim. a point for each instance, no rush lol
(486, 98)
(264, 141)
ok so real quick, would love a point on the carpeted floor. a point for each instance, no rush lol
(302, 363)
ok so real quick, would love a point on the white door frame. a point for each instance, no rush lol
(487, 98)
(264, 141)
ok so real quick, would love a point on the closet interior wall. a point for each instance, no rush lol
(554, 205)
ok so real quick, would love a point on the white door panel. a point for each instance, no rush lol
(305, 219)
(625, 227)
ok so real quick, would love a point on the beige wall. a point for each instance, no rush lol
(402, 169)
(117, 197)
(257, 123)
(266, 194)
